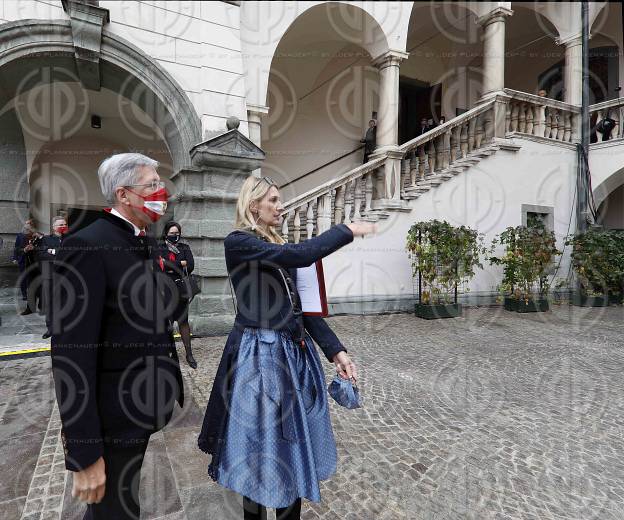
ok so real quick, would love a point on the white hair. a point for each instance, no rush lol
(57, 218)
(121, 170)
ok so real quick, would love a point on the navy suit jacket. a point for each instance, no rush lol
(114, 361)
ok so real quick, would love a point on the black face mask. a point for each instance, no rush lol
(173, 238)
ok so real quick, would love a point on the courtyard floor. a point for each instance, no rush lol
(494, 415)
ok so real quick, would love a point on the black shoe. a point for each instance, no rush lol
(46, 335)
(26, 311)
(191, 361)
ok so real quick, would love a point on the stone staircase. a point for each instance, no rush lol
(397, 175)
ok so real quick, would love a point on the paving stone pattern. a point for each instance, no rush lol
(494, 415)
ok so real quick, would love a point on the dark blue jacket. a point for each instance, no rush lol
(261, 295)
(21, 241)
(114, 360)
(263, 302)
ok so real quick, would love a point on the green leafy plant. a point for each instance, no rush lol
(598, 260)
(528, 256)
(445, 257)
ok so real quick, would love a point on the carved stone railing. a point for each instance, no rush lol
(541, 117)
(444, 151)
(614, 109)
(369, 191)
(429, 158)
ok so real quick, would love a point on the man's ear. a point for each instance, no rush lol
(122, 195)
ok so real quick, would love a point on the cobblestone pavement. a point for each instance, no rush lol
(494, 415)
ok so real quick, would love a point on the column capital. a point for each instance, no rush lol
(570, 40)
(496, 15)
(258, 110)
(390, 59)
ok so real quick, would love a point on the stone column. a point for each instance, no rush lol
(388, 128)
(205, 203)
(255, 113)
(388, 111)
(573, 69)
(493, 24)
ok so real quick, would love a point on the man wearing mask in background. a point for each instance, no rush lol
(114, 361)
(47, 248)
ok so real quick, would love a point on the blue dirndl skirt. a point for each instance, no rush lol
(275, 442)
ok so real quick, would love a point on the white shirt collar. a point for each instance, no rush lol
(137, 230)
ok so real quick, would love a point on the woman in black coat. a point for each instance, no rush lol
(267, 423)
(178, 262)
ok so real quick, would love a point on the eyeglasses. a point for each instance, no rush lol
(155, 185)
(270, 181)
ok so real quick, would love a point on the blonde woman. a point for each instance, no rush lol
(267, 422)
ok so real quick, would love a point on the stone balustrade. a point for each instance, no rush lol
(542, 117)
(614, 109)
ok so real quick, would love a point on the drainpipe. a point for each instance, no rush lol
(583, 149)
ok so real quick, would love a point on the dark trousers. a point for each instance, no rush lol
(123, 474)
(254, 511)
(46, 301)
(24, 280)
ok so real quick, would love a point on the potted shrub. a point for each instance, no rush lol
(527, 259)
(598, 260)
(443, 257)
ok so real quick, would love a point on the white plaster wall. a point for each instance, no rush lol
(333, 101)
(487, 197)
(198, 43)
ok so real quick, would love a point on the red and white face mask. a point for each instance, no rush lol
(154, 205)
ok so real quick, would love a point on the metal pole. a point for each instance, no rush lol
(581, 184)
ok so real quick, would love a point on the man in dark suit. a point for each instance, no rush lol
(114, 361)
(46, 251)
(370, 139)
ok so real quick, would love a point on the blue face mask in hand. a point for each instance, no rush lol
(345, 393)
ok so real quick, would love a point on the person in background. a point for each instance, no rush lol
(370, 139)
(19, 256)
(46, 255)
(33, 272)
(431, 124)
(605, 126)
(541, 93)
(424, 127)
(179, 262)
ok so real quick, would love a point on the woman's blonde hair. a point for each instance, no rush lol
(252, 189)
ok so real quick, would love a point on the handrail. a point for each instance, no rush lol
(611, 103)
(312, 194)
(538, 100)
(322, 166)
(444, 127)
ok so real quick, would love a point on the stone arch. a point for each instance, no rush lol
(378, 32)
(328, 104)
(125, 69)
